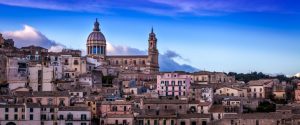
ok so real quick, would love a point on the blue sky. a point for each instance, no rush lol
(215, 35)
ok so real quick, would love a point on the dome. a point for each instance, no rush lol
(96, 35)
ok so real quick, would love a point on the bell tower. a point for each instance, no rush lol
(153, 52)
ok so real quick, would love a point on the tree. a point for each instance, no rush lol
(266, 106)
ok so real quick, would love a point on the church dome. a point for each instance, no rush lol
(96, 35)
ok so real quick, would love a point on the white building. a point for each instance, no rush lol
(173, 84)
(74, 116)
(20, 114)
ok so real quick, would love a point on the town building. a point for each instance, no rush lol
(261, 88)
(173, 84)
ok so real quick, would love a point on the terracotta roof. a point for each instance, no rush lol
(152, 113)
(164, 101)
(116, 102)
(127, 56)
(216, 108)
(74, 108)
(42, 94)
(120, 116)
(193, 115)
(271, 115)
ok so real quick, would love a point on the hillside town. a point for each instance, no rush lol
(39, 87)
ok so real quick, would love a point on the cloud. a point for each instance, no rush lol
(29, 36)
(160, 7)
(57, 48)
(123, 50)
(167, 63)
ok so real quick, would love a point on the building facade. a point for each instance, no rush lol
(173, 84)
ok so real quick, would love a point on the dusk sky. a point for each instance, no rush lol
(214, 35)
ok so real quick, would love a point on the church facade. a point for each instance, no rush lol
(96, 49)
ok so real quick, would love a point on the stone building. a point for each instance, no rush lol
(96, 48)
(261, 88)
(6, 43)
(201, 92)
(212, 77)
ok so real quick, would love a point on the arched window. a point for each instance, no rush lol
(70, 116)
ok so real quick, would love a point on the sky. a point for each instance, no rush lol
(215, 35)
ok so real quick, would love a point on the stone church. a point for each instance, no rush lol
(96, 49)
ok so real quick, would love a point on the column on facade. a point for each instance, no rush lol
(91, 50)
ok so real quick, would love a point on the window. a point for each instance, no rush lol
(52, 117)
(6, 116)
(165, 122)
(257, 122)
(166, 107)
(114, 108)
(16, 117)
(155, 122)
(43, 117)
(6, 109)
(180, 107)
(172, 122)
(61, 117)
(31, 117)
(76, 62)
(31, 109)
(70, 117)
(66, 62)
(125, 108)
(83, 123)
(83, 116)
(148, 107)
(124, 122)
(16, 109)
(51, 109)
